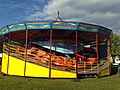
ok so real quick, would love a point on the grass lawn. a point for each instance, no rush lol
(21, 83)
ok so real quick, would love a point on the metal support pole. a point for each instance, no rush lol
(9, 42)
(109, 56)
(91, 67)
(97, 53)
(84, 67)
(26, 45)
(50, 53)
(76, 54)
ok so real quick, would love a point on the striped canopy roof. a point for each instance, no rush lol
(62, 31)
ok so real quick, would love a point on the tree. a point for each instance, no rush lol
(115, 46)
(1, 42)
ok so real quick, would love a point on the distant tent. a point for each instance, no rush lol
(0, 55)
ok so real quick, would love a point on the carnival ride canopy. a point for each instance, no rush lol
(62, 31)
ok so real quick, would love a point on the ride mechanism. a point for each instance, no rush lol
(55, 49)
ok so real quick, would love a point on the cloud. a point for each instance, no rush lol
(103, 12)
(19, 10)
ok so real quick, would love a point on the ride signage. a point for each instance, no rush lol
(16, 27)
(38, 25)
(64, 25)
(4, 30)
(88, 27)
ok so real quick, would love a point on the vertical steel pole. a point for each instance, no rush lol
(109, 55)
(9, 42)
(50, 50)
(97, 53)
(26, 45)
(76, 54)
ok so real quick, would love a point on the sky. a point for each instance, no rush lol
(100, 12)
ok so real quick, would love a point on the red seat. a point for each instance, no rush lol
(91, 60)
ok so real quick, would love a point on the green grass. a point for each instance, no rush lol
(21, 83)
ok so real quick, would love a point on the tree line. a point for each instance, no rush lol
(115, 44)
(1, 42)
